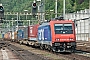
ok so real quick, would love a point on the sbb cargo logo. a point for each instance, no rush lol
(41, 34)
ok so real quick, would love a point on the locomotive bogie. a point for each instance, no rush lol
(32, 34)
(64, 47)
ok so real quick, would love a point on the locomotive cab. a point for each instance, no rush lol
(57, 35)
(63, 35)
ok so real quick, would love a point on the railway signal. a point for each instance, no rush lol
(34, 7)
(1, 13)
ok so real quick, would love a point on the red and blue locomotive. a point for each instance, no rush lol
(57, 35)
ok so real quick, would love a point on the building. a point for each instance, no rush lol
(82, 22)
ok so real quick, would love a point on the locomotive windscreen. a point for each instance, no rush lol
(63, 29)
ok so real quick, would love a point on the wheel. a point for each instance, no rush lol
(41, 46)
(49, 48)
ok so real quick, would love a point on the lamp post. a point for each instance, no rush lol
(12, 22)
(12, 26)
(55, 8)
(89, 6)
(26, 13)
(39, 4)
(51, 12)
(64, 9)
(17, 22)
(41, 9)
(89, 18)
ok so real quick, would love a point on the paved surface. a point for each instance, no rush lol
(6, 54)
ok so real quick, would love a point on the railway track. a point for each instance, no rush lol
(21, 53)
(5, 53)
(83, 45)
(43, 54)
(78, 55)
(28, 53)
(24, 54)
(75, 56)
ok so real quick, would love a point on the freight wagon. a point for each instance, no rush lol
(7, 35)
(20, 33)
(14, 36)
(32, 34)
(1, 36)
(23, 34)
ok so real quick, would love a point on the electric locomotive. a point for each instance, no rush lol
(57, 35)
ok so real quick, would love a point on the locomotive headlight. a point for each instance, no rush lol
(57, 39)
(71, 39)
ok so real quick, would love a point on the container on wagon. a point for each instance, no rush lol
(2, 36)
(5, 35)
(32, 32)
(20, 34)
(22, 30)
(14, 35)
(25, 30)
(8, 35)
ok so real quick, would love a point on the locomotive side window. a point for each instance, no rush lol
(63, 29)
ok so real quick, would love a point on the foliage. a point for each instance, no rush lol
(16, 5)
(21, 5)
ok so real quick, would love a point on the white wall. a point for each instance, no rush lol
(83, 26)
